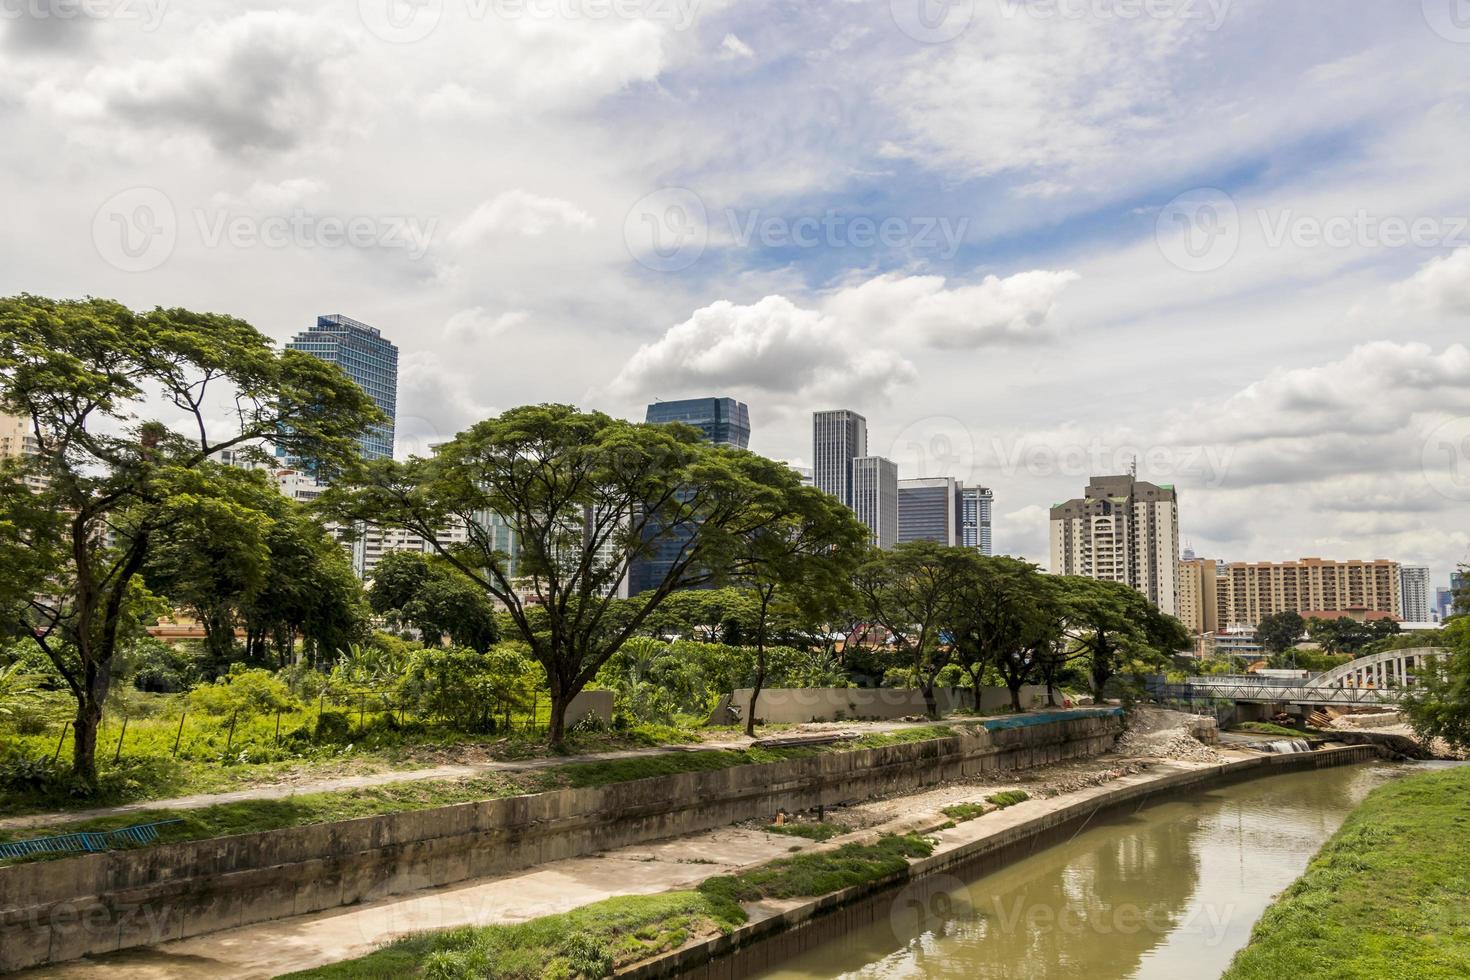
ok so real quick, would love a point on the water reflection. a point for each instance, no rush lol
(1169, 891)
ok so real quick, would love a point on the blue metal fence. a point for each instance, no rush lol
(86, 841)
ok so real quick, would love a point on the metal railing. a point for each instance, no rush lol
(86, 841)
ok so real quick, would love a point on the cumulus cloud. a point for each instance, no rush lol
(849, 346)
(1442, 285)
(518, 212)
(773, 346)
(732, 47)
(1015, 309)
(263, 81)
(475, 324)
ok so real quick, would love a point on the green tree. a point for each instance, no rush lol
(1438, 705)
(586, 494)
(797, 564)
(413, 589)
(1280, 632)
(1114, 625)
(911, 590)
(93, 379)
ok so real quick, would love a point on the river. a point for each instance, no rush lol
(1166, 893)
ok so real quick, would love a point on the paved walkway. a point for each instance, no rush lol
(461, 771)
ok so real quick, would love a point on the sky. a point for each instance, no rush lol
(1030, 240)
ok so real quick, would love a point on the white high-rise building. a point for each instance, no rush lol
(1121, 530)
(976, 506)
(875, 498)
(1416, 594)
(838, 438)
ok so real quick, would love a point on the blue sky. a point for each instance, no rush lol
(1112, 226)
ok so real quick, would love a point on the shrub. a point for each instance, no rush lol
(248, 692)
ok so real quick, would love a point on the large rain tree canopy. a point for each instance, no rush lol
(124, 410)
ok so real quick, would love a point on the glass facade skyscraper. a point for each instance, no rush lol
(368, 359)
(724, 421)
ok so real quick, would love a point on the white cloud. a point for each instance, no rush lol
(518, 212)
(264, 81)
(264, 196)
(1442, 286)
(773, 347)
(476, 324)
(908, 308)
(732, 47)
(849, 346)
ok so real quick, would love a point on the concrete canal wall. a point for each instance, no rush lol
(52, 911)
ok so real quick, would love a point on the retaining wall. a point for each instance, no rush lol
(763, 945)
(794, 706)
(53, 911)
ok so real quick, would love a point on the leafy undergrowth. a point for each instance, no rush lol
(592, 941)
(1267, 728)
(962, 812)
(1387, 896)
(811, 831)
(1008, 797)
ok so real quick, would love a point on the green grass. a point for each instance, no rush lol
(811, 831)
(962, 812)
(589, 941)
(903, 736)
(1387, 896)
(594, 940)
(1267, 728)
(250, 816)
(1008, 797)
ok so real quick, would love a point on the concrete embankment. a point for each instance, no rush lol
(60, 910)
(963, 852)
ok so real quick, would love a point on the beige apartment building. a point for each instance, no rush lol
(1199, 596)
(17, 439)
(1121, 530)
(1213, 597)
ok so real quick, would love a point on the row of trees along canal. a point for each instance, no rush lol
(123, 511)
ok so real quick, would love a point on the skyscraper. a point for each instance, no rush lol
(875, 498)
(929, 510)
(368, 359)
(838, 438)
(976, 505)
(1414, 593)
(724, 421)
(1121, 530)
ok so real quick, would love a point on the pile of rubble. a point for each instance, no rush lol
(1157, 733)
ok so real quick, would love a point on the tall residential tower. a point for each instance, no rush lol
(1121, 530)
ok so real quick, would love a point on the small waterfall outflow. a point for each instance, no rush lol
(1288, 745)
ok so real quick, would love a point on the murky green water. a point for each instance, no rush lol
(1166, 893)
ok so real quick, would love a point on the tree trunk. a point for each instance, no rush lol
(1015, 688)
(760, 664)
(556, 732)
(931, 703)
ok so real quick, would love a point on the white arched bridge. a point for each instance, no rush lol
(1379, 678)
